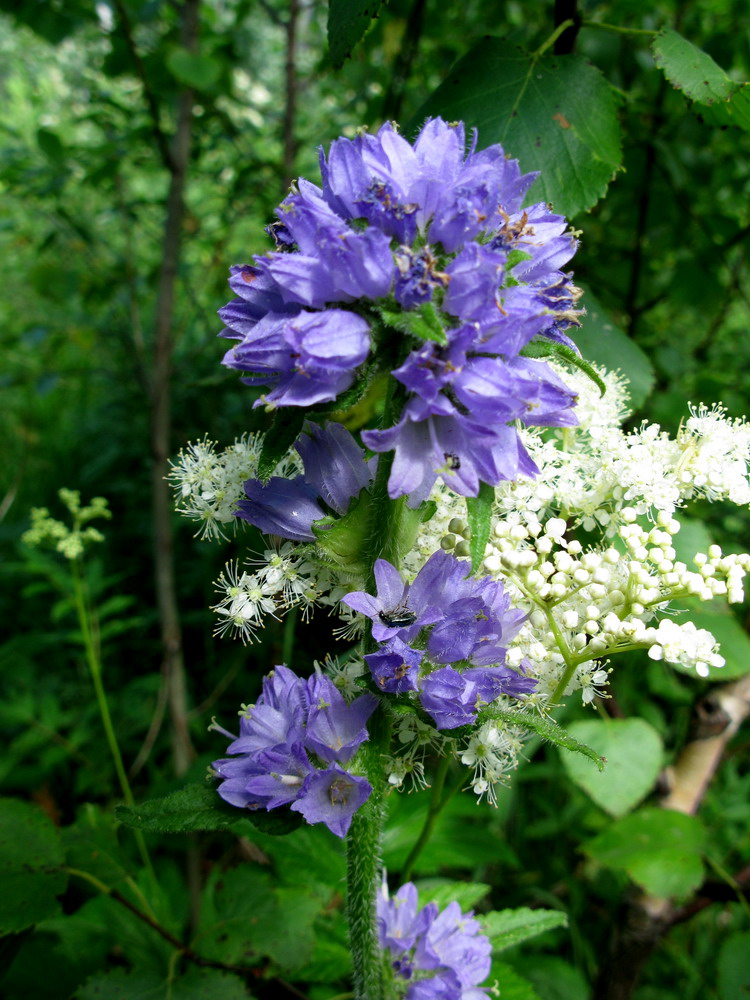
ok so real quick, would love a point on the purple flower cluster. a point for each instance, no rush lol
(290, 748)
(335, 472)
(443, 956)
(405, 227)
(467, 623)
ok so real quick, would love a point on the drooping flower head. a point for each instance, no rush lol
(443, 956)
(435, 232)
(290, 748)
(462, 627)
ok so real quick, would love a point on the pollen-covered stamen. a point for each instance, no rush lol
(417, 276)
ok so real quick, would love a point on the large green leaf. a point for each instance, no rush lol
(198, 807)
(196, 984)
(31, 857)
(601, 341)
(243, 914)
(507, 928)
(659, 848)
(724, 101)
(348, 20)
(556, 114)
(634, 753)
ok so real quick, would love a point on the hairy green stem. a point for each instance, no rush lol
(363, 849)
(95, 669)
(366, 831)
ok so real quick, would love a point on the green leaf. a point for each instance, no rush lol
(51, 145)
(348, 20)
(196, 984)
(540, 347)
(507, 928)
(690, 69)
(31, 857)
(547, 728)
(514, 987)
(199, 807)
(734, 968)
(479, 516)
(556, 114)
(279, 438)
(694, 72)
(659, 848)
(600, 341)
(735, 111)
(634, 753)
(423, 322)
(244, 914)
(442, 892)
(193, 70)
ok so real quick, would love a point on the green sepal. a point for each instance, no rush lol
(345, 540)
(479, 516)
(423, 323)
(547, 728)
(279, 438)
(542, 348)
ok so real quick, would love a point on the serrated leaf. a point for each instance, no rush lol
(279, 438)
(31, 857)
(722, 101)
(556, 114)
(548, 729)
(423, 323)
(601, 341)
(466, 894)
(506, 928)
(634, 753)
(543, 348)
(479, 516)
(198, 807)
(690, 69)
(659, 848)
(196, 984)
(199, 72)
(734, 112)
(348, 20)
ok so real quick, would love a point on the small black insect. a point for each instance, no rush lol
(400, 617)
(454, 462)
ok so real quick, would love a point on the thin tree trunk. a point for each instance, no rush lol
(290, 108)
(161, 414)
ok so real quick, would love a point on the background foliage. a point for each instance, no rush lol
(643, 141)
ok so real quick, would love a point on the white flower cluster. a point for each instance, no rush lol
(285, 578)
(585, 605)
(492, 751)
(591, 472)
(208, 483)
